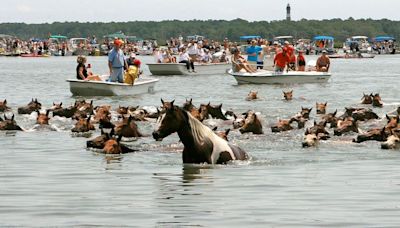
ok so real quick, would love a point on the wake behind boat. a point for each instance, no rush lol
(180, 68)
(105, 88)
(352, 56)
(271, 77)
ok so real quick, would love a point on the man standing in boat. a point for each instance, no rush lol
(252, 53)
(117, 62)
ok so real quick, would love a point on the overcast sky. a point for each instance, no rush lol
(40, 11)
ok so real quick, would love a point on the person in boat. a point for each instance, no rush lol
(291, 54)
(281, 60)
(193, 50)
(83, 72)
(252, 53)
(239, 62)
(133, 72)
(323, 62)
(301, 61)
(117, 62)
(184, 58)
(131, 59)
(205, 56)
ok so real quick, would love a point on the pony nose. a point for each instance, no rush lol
(156, 136)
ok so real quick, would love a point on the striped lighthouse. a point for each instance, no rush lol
(288, 12)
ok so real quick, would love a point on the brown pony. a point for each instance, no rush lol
(201, 144)
(85, 106)
(310, 139)
(393, 122)
(32, 106)
(252, 96)
(188, 106)
(43, 119)
(251, 124)
(376, 100)
(9, 124)
(112, 146)
(364, 114)
(321, 107)
(3, 106)
(282, 125)
(216, 111)
(366, 99)
(83, 125)
(331, 119)
(56, 106)
(305, 112)
(288, 95)
(127, 128)
(65, 112)
(346, 125)
(376, 134)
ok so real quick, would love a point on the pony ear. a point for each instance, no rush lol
(47, 112)
(191, 100)
(36, 100)
(209, 103)
(334, 114)
(307, 132)
(291, 91)
(38, 113)
(220, 106)
(119, 138)
(172, 103)
(5, 117)
(387, 117)
(326, 103)
(162, 101)
(60, 104)
(12, 117)
(227, 131)
(91, 102)
(54, 104)
(215, 128)
(315, 123)
(5, 101)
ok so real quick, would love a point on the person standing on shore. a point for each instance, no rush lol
(116, 62)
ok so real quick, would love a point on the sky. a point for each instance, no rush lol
(48, 11)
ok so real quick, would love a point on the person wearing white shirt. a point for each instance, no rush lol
(193, 50)
(185, 58)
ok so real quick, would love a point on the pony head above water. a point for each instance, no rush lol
(43, 119)
(321, 107)
(376, 100)
(366, 99)
(3, 106)
(252, 96)
(288, 95)
(9, 124)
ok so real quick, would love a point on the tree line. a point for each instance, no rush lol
(212, 29)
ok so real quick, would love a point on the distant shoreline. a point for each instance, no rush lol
(212, 29)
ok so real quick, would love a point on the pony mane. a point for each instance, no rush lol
(199, 131)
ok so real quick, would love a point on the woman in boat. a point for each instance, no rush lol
(301, 61)
(239, 62)
(323, 62)
(82, 72)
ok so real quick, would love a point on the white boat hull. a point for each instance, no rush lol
(102, 88)
(270, 77)
(180, 68)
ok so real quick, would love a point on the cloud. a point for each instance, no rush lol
(23, 8)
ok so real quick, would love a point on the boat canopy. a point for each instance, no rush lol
(384, 38)
(58, 37)
(323, 38)
(359, 37)
(249, 37)
(283, 37)
(119, 35)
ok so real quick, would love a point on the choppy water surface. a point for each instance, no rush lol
(49, 178)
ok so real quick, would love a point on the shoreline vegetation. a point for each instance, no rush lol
(212, 29)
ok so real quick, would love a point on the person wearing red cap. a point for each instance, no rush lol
(116, 62)
(281, 60)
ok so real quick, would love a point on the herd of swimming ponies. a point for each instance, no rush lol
(202, 143)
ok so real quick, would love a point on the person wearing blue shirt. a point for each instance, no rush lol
(252, 53)
(116, 62)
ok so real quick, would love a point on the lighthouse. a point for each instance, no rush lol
(288, 12)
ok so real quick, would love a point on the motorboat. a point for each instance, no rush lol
(180, 68)
(286, 77)
(321, 43)
(34, 55)
(105, 88)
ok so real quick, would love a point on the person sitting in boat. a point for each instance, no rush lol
(281, 60)
(131, 59)
(83, 73)
(223, 58)
(117, 62)
(239, 62)
(301, 61)
(323, 62)
(133, 72)
(184, 58)
(205, 56)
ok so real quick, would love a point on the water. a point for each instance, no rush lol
(49, 178)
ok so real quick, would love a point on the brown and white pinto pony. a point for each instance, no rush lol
(201, 144)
